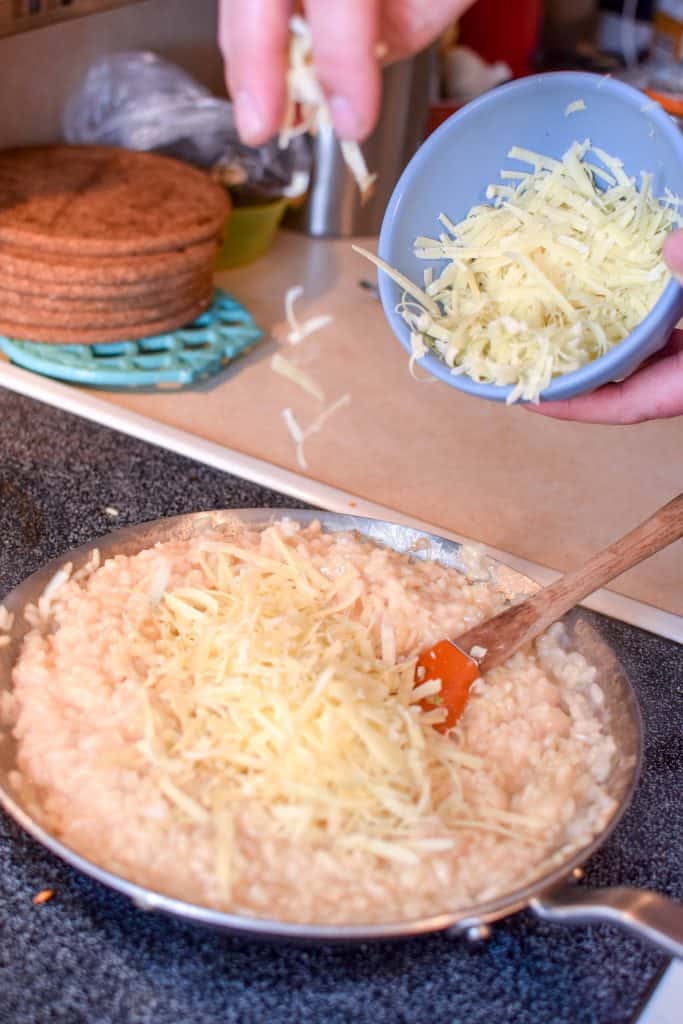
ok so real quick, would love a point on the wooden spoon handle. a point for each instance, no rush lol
(540, 611)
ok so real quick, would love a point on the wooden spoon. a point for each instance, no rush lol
(452, 662)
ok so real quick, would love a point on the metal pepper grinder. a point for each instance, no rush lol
(334, 207)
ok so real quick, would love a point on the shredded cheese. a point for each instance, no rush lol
(355, 161)
(478, 653)
(298, 186)
(90, 566)
(307, 108)
(55, 584)
(408, 286)
(575, 108)
(286, 368)
(320, 421)
(418, 350)
(561, 266)
(298, 331)
(297, 435)
(300, 436)
(264, 686)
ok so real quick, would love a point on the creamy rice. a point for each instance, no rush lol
(535, 745)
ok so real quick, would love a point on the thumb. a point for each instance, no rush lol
(673, 254)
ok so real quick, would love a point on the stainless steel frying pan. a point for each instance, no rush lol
(553, 896)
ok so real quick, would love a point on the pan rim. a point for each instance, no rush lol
(456, 921)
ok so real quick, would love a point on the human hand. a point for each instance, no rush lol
(655, 391)
(253, 36)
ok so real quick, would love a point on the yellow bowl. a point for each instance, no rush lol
(249, 233)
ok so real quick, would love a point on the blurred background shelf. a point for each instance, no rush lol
(23, 15)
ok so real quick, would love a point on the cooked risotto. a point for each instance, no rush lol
(232, 720)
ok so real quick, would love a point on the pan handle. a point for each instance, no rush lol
(650, 915)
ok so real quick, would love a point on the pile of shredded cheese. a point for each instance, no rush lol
(265, 687)
(561, 266)
(307, 107)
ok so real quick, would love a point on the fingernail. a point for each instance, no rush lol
(344, 117)
(249, 119)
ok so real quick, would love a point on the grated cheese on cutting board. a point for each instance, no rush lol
(298, 333)
(561, 266)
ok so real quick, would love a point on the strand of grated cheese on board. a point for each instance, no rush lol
(290, 371)
(297, 435)
(276, 685)
(307, 108)
(286, 368)
(300, 436)
(561, 266)
(298, 331)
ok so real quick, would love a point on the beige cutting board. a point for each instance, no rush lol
(546, 491)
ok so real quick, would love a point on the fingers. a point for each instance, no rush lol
(673, 253)
(345, 37)
(653, 392)
(408, 26)
(253, 36)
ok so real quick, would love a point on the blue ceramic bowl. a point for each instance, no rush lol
(451, 171)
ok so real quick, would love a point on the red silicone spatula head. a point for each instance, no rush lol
(456, 670)
(500, 637)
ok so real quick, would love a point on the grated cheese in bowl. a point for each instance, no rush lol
(559, 267)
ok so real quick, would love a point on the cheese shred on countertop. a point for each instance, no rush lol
(561, 265)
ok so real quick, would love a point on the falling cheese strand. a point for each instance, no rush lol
(307, 107)
(548, 277)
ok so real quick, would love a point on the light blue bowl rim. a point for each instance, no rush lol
(665, 308)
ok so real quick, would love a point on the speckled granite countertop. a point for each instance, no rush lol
(88, 956)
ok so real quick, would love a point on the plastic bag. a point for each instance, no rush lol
(138, 100)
